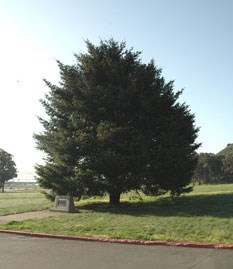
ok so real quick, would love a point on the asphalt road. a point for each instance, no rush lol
(19, 252)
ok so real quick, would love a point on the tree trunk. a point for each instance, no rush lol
(114, 198)
(2, 187)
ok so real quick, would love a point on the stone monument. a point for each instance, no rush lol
(64, 203)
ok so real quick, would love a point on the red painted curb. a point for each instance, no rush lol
(121, 241)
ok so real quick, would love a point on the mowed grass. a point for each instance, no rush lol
(12, 203)
(205, 215)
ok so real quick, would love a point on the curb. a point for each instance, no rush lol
(121, 241)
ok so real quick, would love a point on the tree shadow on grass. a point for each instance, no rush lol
(214, 205)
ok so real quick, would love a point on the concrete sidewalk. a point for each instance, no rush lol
(20, 252)
(29, 215)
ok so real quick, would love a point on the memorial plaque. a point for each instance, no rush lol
(64, 203)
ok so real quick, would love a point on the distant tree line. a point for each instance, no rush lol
(215, 168)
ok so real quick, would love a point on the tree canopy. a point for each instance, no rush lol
(209, 168)
(228, 150)
(227, 160)
(215, 168)
(114, 124)
(7, 168)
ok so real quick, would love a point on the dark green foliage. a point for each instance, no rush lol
(213, 168)
(226, 151)
(49, 195)
(115, 125)
(57, 141)
(209, 168)
(228, 165)
(7, 168)
(227, 156)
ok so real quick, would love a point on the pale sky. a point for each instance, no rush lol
(191, 40)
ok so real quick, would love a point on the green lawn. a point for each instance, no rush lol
(211, 189)
(12, 203)
(205, 215)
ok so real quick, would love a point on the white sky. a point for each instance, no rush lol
(22, 67)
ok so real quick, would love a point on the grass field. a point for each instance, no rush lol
(205, 215)
(12, 203)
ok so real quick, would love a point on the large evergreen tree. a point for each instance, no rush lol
(115, 125)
